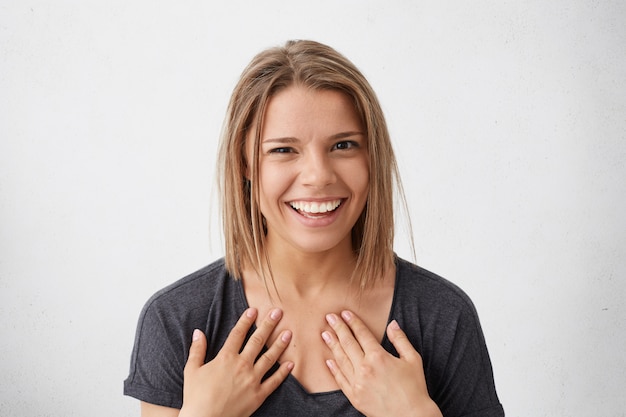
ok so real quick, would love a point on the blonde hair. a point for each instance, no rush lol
(317, 66)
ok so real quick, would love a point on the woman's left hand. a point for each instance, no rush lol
(376, 382)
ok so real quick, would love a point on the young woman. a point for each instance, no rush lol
(310, 313)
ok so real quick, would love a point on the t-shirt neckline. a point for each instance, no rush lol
(243, 301)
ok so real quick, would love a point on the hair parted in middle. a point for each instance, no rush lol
(311, 65)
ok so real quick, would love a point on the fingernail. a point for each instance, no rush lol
(394, 325)
(250, 312)
(290, 366)
(331, 319)
(196, 335)
(286, 336)
(326, 337)
(346, 315)
(275, 314)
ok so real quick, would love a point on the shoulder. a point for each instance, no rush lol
(193, 289)
(441, 322)
(432, 310)
(186, 302)
(428, 289)
(164, 331)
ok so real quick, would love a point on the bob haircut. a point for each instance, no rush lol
(311, 65)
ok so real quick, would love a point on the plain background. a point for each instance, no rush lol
(508, 118)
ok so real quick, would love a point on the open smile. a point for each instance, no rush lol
(315, 209)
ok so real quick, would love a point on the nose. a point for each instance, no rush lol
(317, 170)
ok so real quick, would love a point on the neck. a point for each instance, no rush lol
(305, 275)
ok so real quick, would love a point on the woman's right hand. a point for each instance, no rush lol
(230, 384)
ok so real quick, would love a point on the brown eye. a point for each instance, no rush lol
(281, 150)
(346, 144)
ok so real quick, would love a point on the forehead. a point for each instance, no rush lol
(299, 111)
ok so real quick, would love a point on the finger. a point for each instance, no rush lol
(340, 377)
(270, 357)
(197, 351)
(238, 334)
(342, 362)
(272, 382)
(257, 340)
(361, 332)
(401, 342)
(348, 342)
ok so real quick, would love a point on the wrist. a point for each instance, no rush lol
(190, 412)
(429, 409)
(432, 410)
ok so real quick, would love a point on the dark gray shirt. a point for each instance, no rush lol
(438, 318)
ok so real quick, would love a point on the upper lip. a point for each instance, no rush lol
(315, 199)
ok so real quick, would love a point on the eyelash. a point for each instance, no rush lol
(351, 144)
(341, 146)
(281, 150)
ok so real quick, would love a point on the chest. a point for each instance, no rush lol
(308, 351)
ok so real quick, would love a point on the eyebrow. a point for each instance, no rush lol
(343, 135)
(290, 139)
(280, 140)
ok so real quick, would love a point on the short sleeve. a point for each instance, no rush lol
(465, 386)
(166, 323)
(441, 322)
(158, 357)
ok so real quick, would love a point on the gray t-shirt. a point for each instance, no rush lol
(438, 318)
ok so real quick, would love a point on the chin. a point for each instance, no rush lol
(318, 247)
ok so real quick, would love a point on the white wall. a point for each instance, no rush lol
(509, 119)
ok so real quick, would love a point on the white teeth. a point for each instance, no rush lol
(315, 207)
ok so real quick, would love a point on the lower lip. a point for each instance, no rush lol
(320, 221)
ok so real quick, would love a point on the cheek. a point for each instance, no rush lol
(272, 183)
(361, 178)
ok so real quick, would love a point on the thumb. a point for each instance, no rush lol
(197, 351)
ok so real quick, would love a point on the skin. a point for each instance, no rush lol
(312, 150)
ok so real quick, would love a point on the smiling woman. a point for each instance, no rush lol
(316, 68)
(321, 161)
(310, 313)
